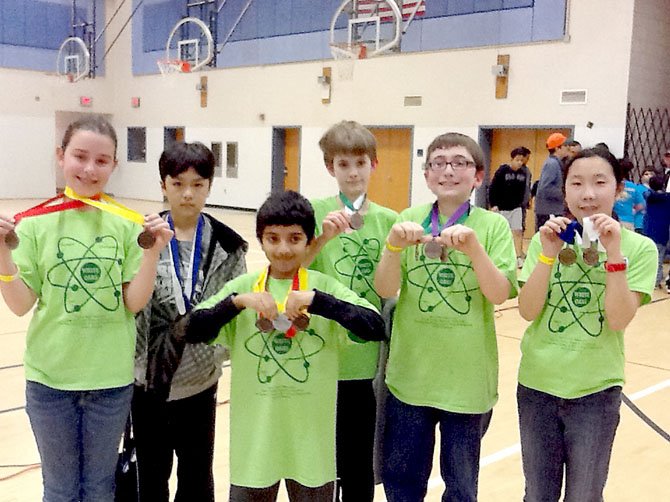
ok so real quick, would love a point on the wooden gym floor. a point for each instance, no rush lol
(640, 461)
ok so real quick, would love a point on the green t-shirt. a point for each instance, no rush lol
(352, 259)
(283, 391)
(81, 336)
(443, 350)
(569, 350)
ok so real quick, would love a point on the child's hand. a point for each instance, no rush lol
(160, 229)
(551, 242)
(261, 302)
(407, 233)
(297, 302)
(459, 237)
(7, 226)
(334, 224)
(609, 231)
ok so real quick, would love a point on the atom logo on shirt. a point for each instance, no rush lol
(88, 274)
(357, 264)
(278, 355)
(577, 301)
(449, 284)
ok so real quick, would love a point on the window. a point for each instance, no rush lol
(231, 160)
(216, 150)
(137, 144)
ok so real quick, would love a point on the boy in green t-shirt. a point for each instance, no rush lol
(284, 328)
(452, 263)
(351, 230)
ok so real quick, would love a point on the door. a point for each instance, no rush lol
(390, 181)
(285, 159)
(505, 140)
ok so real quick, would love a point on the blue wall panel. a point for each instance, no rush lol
(281, 31)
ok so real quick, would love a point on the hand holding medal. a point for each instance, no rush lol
(7, 233)
(553, 235)
(352, 210)
(608, 231)
(451, 234)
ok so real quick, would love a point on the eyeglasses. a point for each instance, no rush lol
(457, 164)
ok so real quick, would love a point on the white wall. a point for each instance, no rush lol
(649, 85)
(457, 88)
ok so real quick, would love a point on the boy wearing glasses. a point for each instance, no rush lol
(453, 263)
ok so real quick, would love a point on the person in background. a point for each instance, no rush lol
(549, 196)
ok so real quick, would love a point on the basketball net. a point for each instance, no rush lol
(345, 56)
(170, 66)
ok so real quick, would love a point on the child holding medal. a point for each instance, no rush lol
(584, 279)
(284, 328)
(174, 403)
(443, 360)
(84, 270)
(350, 238)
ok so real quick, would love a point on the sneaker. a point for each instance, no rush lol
(519, 261)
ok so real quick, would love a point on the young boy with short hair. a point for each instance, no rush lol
(452, 263)
(284, 327)
(351, 230)
(174, 400)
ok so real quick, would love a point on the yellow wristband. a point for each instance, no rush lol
(10, 278)
(392, 248)
(546, 260)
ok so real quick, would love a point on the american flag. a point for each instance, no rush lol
(382, 9)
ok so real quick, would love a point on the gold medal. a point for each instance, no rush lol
(146, 239)
(264, 324)
(356, 221)
(12, 240)
(432, 250)
(567, 256)
(301, 322)
(591, 254)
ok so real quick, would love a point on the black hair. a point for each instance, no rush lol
(573, 142)
(602, 146)
(656, 183)
(179, 157)
(627, 167)
(520, 150)
(286, 209)
(595, 152)
(94, 123)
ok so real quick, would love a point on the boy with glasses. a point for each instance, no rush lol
(452, 263)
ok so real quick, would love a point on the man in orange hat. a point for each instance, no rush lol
(549, 197)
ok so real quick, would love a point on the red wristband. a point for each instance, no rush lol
(616, 267)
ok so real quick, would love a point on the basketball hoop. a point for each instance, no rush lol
(345, 56)
(170, 66)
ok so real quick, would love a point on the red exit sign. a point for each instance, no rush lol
(85, 101)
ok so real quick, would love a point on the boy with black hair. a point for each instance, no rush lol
(174, 402)
(350, 236)
(507, 194)
(284, 328)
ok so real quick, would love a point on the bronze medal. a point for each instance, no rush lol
(356, 221)
(567, 256)
(432, 250)
(591, 254)
(264, 324)
(301, 322)
(444, 254)
(146, 239)
(282, 323)
(12, 240)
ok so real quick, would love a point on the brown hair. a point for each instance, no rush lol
(94, 123)
(452, 139)
(347, 137)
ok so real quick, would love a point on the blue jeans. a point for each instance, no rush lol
(661, 256)
(78, 435)
(409, 441)
(575, 435)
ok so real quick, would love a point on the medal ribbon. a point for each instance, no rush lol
(109, 205)
(432, 222)
(47, 207)
(353, 207)
(184, 292)
(299, 284)
(568, 235)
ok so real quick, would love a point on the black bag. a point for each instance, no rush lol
(127, 482)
